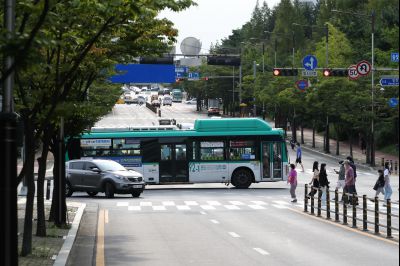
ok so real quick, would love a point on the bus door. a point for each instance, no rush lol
(173, 163)
(271, 161)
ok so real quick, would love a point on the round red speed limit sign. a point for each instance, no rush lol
(353, 73)
(363, 68)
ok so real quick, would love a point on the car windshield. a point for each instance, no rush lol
(110, 166)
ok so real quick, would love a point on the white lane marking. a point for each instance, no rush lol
(233, 234)
(207, 207)
(204, 213)
(191, 203)
(106, 216)
(232, 207)
(281, 202)
(261, 251)
(259, 202)
(280, 206)
(238, 203)
(168, 203)
(214, 221)
(213, 203)
(134, 208)
(122, 204)
(256, 207)
(159, 208)
(183, 207)
(146, 203)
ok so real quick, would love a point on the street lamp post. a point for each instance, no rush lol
(372, 137)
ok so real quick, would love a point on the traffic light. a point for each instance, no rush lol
(285, 72)
(222, 60)
(329, 72)
(157, 60)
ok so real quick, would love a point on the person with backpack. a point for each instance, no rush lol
(379, 185)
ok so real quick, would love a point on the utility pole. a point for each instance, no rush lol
(254, 90)
(8, 155)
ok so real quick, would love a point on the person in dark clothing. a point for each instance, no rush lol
(323, 181)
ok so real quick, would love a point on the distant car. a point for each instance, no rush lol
(191, 101)
(213, 111)
(167, 101)
(97, 175)
(155, 103)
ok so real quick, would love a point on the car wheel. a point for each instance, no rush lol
(109, 190)
(241, 178)
(91, 193)
(68, 189)
(136, 194)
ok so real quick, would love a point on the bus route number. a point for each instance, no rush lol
(194, 167)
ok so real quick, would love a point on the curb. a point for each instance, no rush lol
(62, 256)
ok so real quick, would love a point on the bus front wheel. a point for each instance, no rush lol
(241, 178)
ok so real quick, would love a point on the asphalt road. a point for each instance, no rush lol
(214, 224)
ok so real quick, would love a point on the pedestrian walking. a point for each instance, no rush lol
(379, 185)
(349, 181)
(363, 145)
(292, 143)
(354, 167)
(315, 180)
(292, 180)
(388, 187)
(323, 181)
(341, 177)
(298, 157)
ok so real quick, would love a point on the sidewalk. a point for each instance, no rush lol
(53, 249)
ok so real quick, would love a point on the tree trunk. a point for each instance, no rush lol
(41, 219)
(58, 210)
(313, 135)
(327, 144)
(294, 131)
(302, 133)
(337, 140)
(30, 183)
(351, 144)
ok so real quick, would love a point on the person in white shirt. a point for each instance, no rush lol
(388, 187)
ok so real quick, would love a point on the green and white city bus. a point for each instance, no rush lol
(237, 151)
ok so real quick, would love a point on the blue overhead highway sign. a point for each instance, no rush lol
(389, 81)
(393, 102)
(394, 57)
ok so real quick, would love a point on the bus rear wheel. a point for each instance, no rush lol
(241, 178)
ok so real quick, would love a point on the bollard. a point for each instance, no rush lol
(395, 167)
(319, 202)
(344, 212)
(48, 183)
(328, 204)
(365, 213)
(312, 203)
(305, 197)
(353, 201)
(383, 162)
(336, 205)
(376, 215)
(389, 219)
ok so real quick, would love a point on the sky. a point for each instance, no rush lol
(212, 20)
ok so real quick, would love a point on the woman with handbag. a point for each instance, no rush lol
(314, 181)
(379, 185)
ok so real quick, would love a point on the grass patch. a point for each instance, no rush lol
(390, 149)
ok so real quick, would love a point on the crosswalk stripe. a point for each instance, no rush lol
(232, 207)
(257, 207)
(214, 203)
(238, 203)
(183, 207)
(159, 208)
(191, 203)
(146, 203)
(134, 208)
(122, 204)
(207, 207)
(168, 203)
(281, 202)
(258, 202)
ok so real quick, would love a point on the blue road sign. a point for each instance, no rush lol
(137, 73)
(393, 102)
(181, 69)
(194, 76)
(394, 57)
(310, 62)
(302, 84)
(389, 81)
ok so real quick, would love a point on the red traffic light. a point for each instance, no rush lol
(277, 72)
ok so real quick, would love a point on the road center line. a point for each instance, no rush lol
(261, 251)
(100, 240)
(106, 216)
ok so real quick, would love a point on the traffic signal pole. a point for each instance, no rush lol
(8, 155)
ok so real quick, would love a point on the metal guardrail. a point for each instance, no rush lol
(351, 199)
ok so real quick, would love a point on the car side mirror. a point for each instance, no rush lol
(95, 169)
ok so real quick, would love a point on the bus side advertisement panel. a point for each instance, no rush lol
(203, 172)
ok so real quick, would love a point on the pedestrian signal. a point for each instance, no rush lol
(335, 72)
(285, 72)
